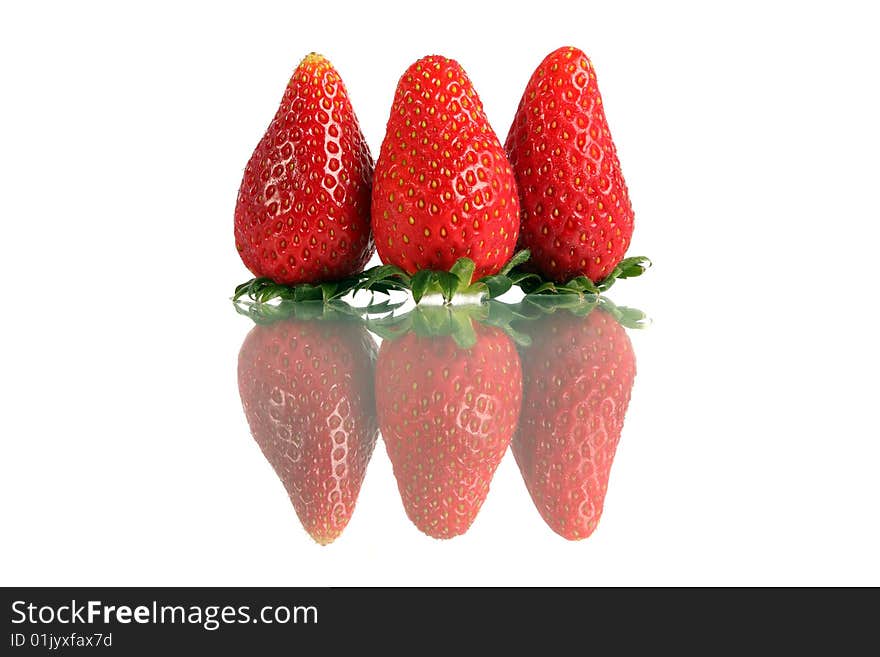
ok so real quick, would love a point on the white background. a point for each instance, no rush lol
(748, 136)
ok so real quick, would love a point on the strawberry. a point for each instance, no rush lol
(576, 215)
(443, 186)
(447, 412)
(577, 379)
(303, 210)
(307, 391)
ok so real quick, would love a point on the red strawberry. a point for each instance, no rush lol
(307, 391)
(447, 413)
(303, 210)
(577, 379)
(443, 186)
(576, 215)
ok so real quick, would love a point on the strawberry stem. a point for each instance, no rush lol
(457, 282)
(534, 284)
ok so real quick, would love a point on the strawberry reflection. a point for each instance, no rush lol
(306, 384)
(577, 377)
(448, 394)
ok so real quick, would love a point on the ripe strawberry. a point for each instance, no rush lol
(443, 186)
(307, 391)
(303, 210)
(577, 379)
(576, 215)
(447, 414)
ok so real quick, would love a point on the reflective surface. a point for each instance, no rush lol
(747, 453)
(450, 392)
